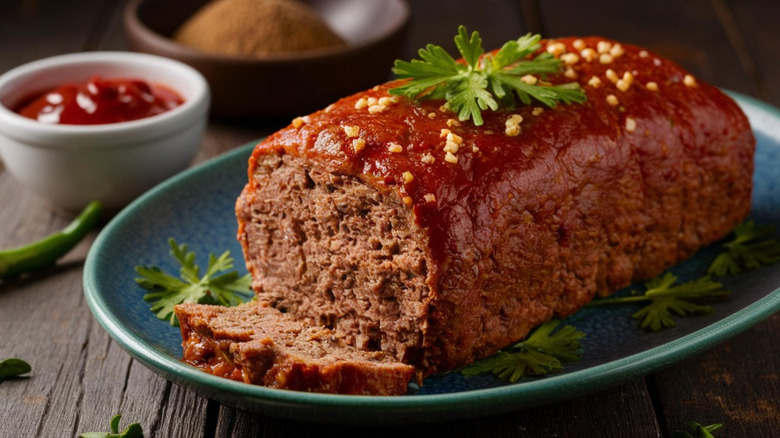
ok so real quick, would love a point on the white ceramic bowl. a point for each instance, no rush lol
(71, 165)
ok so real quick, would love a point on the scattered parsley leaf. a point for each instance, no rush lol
(482, 81)
(696, 430)
(667, 299)
(543, 352)
(745, 251)
(13, 367)
(132, 431)
(214, 287)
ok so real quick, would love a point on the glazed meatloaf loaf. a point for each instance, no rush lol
(402, 230)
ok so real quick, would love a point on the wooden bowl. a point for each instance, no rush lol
(281, 84)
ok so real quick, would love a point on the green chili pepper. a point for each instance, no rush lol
(45, 252)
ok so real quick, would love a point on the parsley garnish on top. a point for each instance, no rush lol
(214, 287)
(745, 252)
(543, 352)
(481, 82)
(666, 298)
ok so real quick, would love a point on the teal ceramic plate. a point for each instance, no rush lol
(196, 207)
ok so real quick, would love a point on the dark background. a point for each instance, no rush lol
(82, 378)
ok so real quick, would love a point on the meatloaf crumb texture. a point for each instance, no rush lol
(364, 222)
(256, 343)
(337, 253)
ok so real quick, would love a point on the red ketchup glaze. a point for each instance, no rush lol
(468, 194)
(207, 355)
(100, 101)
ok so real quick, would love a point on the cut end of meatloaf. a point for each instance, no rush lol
(337, 253)
(257, 344)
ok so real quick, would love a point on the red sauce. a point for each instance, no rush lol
(470, 193)
(206, 355)
(100, 101)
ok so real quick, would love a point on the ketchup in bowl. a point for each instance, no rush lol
(100, 101)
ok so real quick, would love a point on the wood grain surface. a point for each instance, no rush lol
(81, 377)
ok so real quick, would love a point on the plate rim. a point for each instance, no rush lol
(422, 407)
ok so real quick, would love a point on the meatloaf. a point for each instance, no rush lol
(437, 242)
(256, 343)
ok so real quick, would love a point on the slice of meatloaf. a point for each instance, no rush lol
(256, 343)
(437, 242)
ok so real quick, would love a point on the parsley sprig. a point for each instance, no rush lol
(13, 367)
(215, 286)
(543, 352)
(696, 430)
(667, 299)
(483, 81)
(746, 251)
(133, 430)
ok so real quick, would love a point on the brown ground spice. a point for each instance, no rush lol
(256, 28)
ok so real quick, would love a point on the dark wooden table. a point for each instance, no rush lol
(81, 378)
